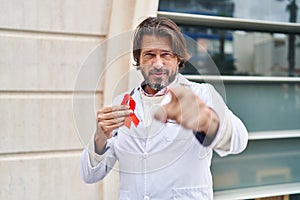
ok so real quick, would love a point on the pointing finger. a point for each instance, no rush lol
(168, 111)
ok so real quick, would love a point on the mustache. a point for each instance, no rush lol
(158, 71)
(163, 69)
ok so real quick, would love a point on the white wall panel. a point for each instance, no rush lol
(42, 122)
(43, 62)
(68, 16)
(44, 177)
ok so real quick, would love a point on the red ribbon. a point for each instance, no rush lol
(128, 100)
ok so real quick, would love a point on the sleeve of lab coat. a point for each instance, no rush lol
(93, 173)
(232, 135)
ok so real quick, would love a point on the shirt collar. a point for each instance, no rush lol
(159, 93)
(179, 80)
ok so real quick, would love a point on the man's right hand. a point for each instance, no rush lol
(108, 119)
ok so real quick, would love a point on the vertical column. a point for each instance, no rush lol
(120, 76)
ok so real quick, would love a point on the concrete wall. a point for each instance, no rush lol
(43, 45)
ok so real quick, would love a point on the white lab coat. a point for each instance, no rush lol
(166, 161)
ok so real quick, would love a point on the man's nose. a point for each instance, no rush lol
(158, 62)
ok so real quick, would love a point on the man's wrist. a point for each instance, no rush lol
(203, 138)
(212, 125)
(100, 144)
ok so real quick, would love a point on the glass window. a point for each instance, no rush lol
(245, 53)
(265, 106)
(238, 51)
(256, 46)
(268, 10)
(264, 162)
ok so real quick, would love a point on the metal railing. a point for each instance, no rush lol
(232, 23)
(243, 79)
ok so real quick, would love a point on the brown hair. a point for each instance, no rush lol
(164, 27)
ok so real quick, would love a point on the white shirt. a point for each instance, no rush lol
(164, 160)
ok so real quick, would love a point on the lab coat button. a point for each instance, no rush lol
(145, 155)
(146, 198)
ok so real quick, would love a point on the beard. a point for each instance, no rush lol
(159, 83)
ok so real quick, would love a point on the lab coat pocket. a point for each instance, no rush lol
(191, 193)
(123, 195)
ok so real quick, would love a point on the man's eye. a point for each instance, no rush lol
(149, 55)
(167, 54)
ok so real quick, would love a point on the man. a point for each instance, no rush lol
(163, 132)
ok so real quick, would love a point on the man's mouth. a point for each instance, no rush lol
(158, 74)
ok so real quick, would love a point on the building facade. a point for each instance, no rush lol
(58, 64)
